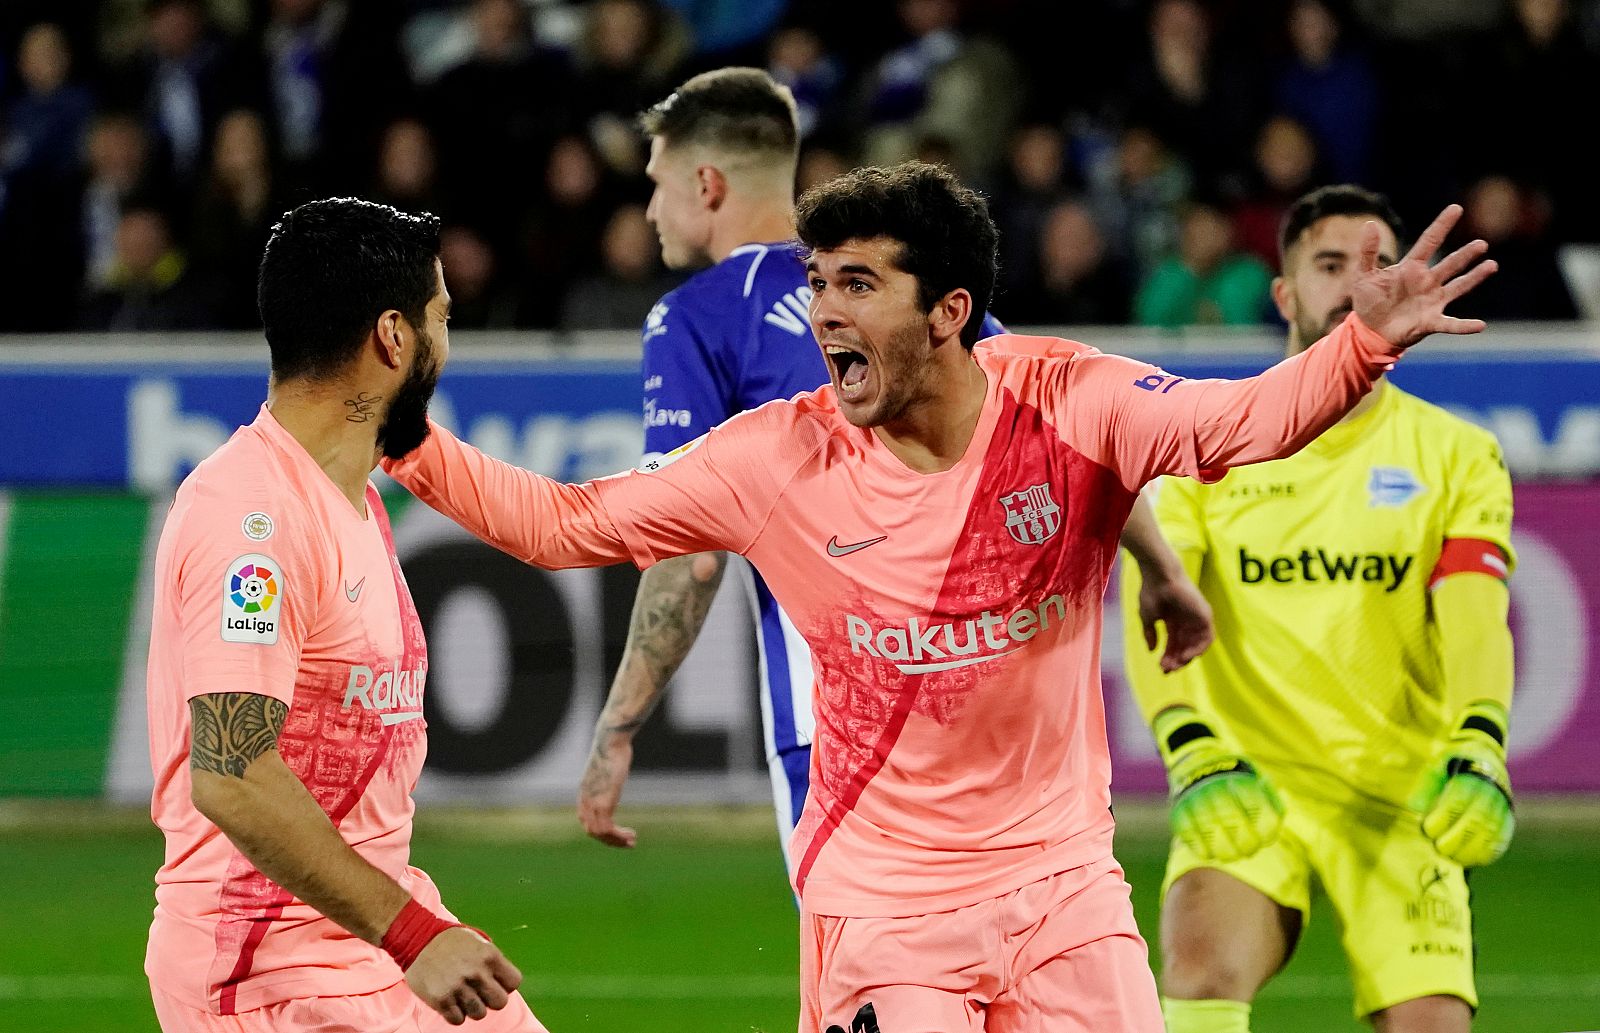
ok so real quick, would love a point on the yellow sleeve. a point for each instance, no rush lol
(1177, 511)
(1474, 641)
(1470, 608)
(1480, 489)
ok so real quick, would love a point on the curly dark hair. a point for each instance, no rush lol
(947, 238)
(331, 268)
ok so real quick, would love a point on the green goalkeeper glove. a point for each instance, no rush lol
(1465, 797)
(1222, 808)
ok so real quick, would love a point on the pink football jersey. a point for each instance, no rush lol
(268, 581)
(954, 618)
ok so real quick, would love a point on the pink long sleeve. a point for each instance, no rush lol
(536, 519)
(1142, 422)
(715, 495)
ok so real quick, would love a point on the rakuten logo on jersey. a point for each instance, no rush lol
(395, 697)
(919, 648)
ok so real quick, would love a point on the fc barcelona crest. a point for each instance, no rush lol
(1031, 514)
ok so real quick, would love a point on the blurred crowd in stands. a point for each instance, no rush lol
(1138, 155)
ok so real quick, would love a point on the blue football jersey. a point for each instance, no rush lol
(732, 337)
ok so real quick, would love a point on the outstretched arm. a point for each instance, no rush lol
(536, 519)
(1143, 422)
(670, 609)
(714, 494)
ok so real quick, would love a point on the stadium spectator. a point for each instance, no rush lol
(1166, 102)
(118, 170)
(495, 116)
(1136, 190)
(150, 286)
(1430, 59)
(1208, 282)
(1537, 67)
(1085, 91)
(626, 60)
(797, 59)
(629, 281)
(1204, 104)
(1331, 88)
(1286, 166)
(408, 169)
(121, 25)
(477, 299)
(1530, 284)
(233, 216)
(721, 32)
(183, 79)
(336, 78)
(1033, 181)
(941, 83)
(40, 137)
(297, 44)
(45, 125)
(1075, 280)
(1428, 21)
(819, 162)
(561, 241)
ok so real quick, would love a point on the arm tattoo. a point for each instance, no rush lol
(362, 407)
(667, 617)
(228, 730)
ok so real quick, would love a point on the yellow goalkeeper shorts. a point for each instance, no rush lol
(1404, 911)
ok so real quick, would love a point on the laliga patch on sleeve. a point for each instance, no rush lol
(657, 461)
(252, 600)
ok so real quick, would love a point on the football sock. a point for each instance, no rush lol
(1206, 1016)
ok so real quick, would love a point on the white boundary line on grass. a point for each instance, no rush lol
(687, 988)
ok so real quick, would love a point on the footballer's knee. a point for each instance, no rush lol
(1195, 977)
(1438, 1013)
(1199, 965)
(1221, 939)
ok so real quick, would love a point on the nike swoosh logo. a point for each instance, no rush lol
(394, 719)
(352, 593)
(835, 549)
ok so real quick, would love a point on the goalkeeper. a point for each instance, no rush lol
(1349, 724)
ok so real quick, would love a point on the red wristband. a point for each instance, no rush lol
(412, 929)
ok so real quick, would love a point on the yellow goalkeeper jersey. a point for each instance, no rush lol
(1325, 671)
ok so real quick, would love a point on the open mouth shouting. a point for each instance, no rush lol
(850, 370)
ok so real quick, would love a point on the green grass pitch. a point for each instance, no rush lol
(695, 929)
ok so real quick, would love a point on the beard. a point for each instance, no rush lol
(905, 368)
(1309, 331)
(405, 427)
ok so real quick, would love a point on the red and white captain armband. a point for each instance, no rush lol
(1469, 556)
(413, 929)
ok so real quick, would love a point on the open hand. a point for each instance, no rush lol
(1405, 302)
